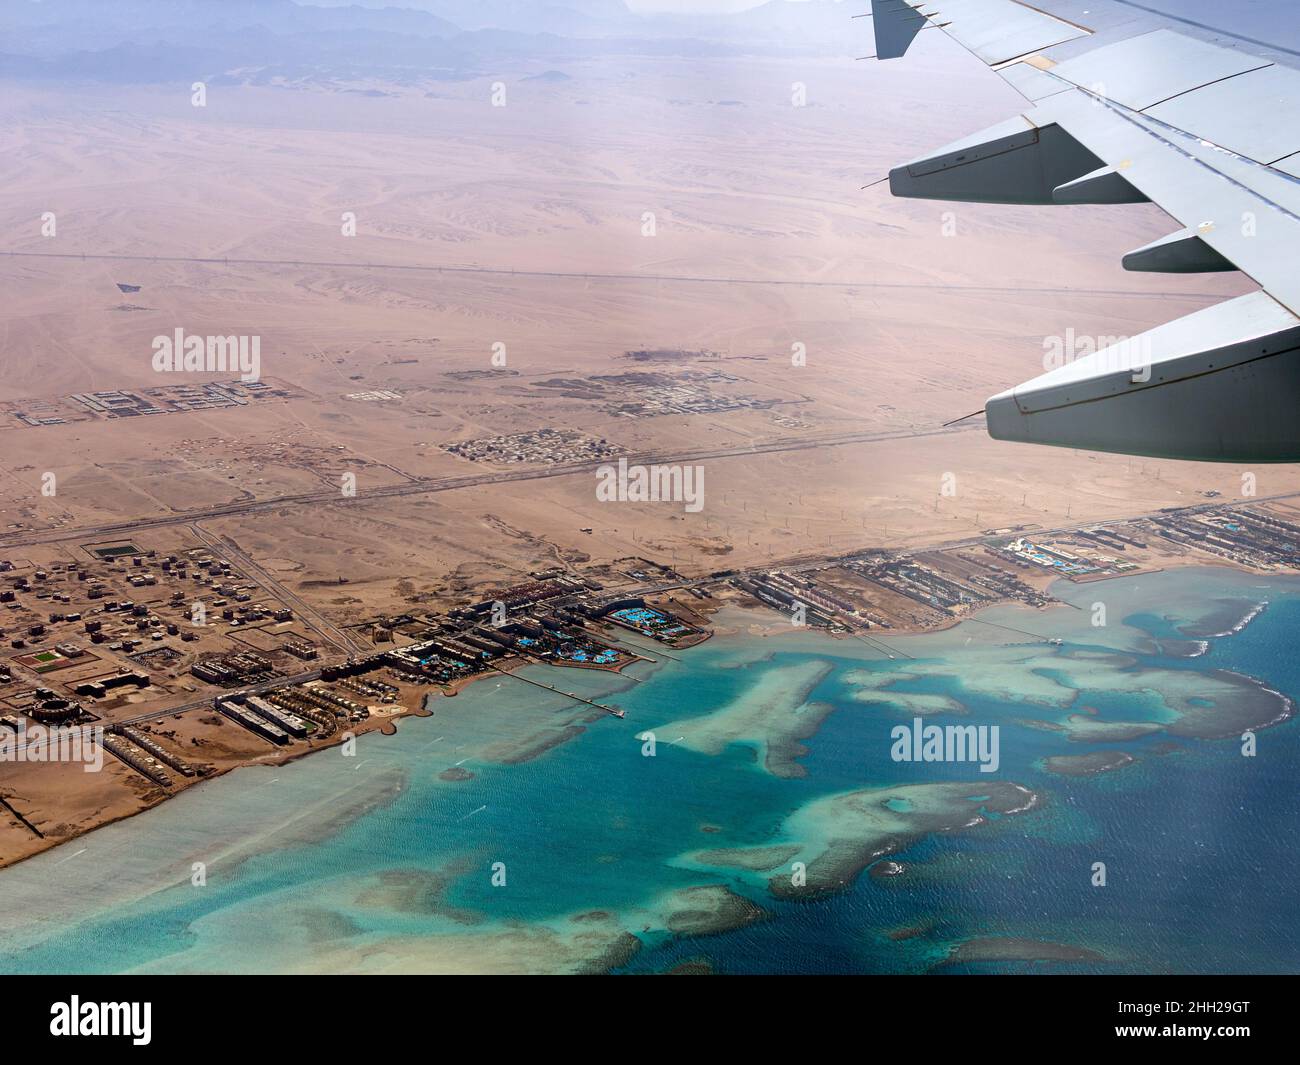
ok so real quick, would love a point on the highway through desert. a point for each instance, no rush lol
(560, 275)
(26, 538)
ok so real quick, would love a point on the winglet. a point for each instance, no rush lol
(896, 24)
(1183, 252)
(1105, 185)
(996, 31)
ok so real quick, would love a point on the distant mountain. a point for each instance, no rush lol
(773, 22)
(72, 23)
(534, 16)
(152, 41)
(822, 23)
(813, 18)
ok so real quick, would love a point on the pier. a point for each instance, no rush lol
(613, 711)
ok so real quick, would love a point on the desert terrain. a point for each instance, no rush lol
(673, 261)
(391, 359)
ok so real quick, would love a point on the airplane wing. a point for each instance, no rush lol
(1131, 103)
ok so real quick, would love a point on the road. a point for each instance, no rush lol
(225, 546)
(802, 563)
(29, 537)
(208, 700)
(194, 704)
(571, 275)
(796, 564)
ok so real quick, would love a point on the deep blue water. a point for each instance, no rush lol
(1201, 845)
(1202, 849)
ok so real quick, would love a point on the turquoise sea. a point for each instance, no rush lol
(511, 831)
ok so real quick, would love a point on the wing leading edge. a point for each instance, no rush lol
(1210, 134)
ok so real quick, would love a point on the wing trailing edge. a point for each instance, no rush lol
(1212, 136)
(1017, 161)
(1220, 385)
(1183, 252)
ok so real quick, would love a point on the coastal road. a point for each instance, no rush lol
(802, 563)
(207, 701)
(793, 564)
(194, 704)
(27, 538)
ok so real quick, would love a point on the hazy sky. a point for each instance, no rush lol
(694, 7)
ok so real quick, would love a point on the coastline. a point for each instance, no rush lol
(607, 917)
(383, 721)
(766, 622)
